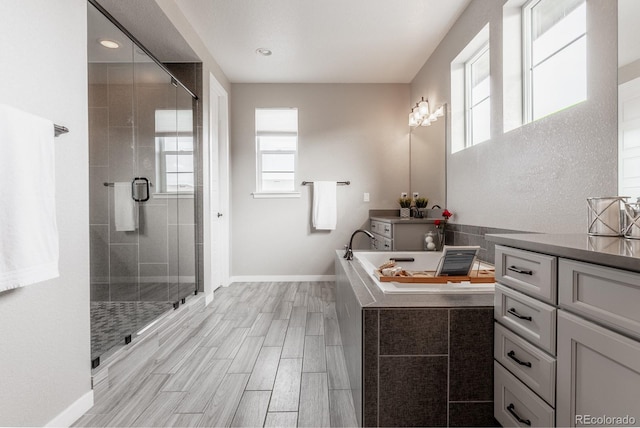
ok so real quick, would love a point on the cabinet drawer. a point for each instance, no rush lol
(381, 228)
(532, 273)
(381, 243)
(529, 364)
(606, 295)
(528, 317)
(515, 405)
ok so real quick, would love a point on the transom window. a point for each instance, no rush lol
(555, 56)
(276, 149)
(478, 97)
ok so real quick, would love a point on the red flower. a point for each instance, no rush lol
(446, 214)
(436, 222)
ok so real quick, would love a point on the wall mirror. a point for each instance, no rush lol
(427, 157)
(629, 98)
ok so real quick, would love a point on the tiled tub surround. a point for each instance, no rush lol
(462, 234)
(415, 360)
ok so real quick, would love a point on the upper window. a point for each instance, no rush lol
(471, 93)
(276, 150)
(478, 98)
(555, 56)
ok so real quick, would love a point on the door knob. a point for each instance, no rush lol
(219, 215)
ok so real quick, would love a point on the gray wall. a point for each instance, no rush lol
(536, 177)
(346, 132)
(44, 328)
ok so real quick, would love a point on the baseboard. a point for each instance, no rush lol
(73, 412)
(282, 278)
(208, 299)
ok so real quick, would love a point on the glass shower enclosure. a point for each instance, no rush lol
(142, 180)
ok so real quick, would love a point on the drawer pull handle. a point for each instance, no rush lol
(513, 312)
(512, 355)
(520, 270)
(510, 408)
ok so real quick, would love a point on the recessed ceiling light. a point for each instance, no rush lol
(111, 44)
(263, 51)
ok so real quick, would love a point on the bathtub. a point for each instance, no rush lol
(424, 260)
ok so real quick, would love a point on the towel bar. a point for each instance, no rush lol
(345, 183)
(59, 129)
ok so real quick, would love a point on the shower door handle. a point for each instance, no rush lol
(135, 183)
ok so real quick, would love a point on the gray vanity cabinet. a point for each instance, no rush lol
(598, 348)
(567, 338)
(598, 374)
(394, 234)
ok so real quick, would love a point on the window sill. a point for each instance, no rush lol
(275, 195)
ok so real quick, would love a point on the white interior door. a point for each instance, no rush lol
(216, 235)
(629, 139)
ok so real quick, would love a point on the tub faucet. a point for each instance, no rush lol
(349, 253)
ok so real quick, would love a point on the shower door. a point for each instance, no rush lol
(142, 166)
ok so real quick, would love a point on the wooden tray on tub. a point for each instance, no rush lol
(482, 276)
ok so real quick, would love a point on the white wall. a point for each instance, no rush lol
(537, 177)
(346, 132)
(45, 362)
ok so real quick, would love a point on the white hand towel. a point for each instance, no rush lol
(28, 231)
(325, 206)
(124, 207)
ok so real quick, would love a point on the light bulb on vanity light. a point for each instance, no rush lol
(426, 122)
(423, 107)
(416, 115)
(439, 111)
(412, 120)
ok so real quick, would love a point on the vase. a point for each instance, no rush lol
(405, 212)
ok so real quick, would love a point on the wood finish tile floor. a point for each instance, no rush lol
(261, 354)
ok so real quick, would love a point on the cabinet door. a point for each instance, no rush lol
(598, 374)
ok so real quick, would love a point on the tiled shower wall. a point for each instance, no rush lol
(118, 257)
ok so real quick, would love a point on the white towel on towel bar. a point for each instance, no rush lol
(325, 206)
(124, 207)
(28, 230)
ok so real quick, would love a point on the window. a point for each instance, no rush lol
(478, 98)
(174, 151)
(555, 56)
(471, 93)
(276, 150)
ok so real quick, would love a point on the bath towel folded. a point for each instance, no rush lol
(325, 207)
(28, 230)
(125, 209)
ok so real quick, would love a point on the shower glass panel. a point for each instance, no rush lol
(141, 197)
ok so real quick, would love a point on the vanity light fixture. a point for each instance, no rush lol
(421, 115)
(108, 43)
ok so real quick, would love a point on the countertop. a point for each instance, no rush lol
(615, 252)
(370, 296)
(410, 220)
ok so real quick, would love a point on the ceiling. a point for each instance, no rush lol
(148, 23)
(328, 41)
